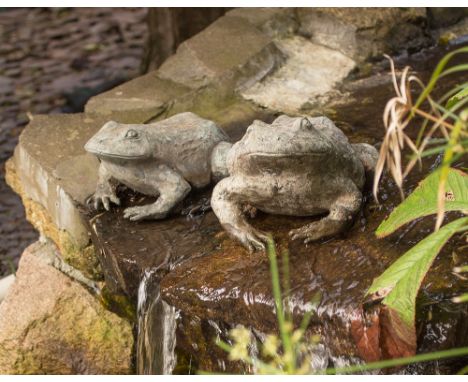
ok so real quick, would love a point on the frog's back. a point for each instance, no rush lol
(185, 142)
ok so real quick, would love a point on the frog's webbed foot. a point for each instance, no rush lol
(251, 238)
(226, 202)
(105, 191)
(103, 197)
(340, 217)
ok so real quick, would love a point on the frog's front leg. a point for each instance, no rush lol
(227, 201)
(171, 188)
(340, 217)
(105, 190)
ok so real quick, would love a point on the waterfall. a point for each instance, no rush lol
(156, 328)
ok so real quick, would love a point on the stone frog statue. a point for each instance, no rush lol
(295, 166)
(164, 159)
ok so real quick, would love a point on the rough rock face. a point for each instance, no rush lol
(367, 32)
(50, 324)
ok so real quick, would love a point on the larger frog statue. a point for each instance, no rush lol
(164, 159)
(295, 166)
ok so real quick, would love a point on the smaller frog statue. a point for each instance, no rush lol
(297, 167)
(163, 159)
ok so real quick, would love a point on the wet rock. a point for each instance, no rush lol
(229, 287)
(62, 328)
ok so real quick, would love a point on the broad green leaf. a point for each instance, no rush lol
(457, 98)
(401, 281)
(423, 200)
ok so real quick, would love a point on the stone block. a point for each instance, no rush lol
(230, 49)
(310, 72)
(62, 328)
(54, 176)
(136, 101)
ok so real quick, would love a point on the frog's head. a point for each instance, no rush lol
(120, 141)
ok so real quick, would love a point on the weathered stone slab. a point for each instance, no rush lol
(365, 32)
(138, 100)
(61, 328)
(310, 72)
(229, 49)
(53, 174)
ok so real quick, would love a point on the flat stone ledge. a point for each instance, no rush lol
(53, 175)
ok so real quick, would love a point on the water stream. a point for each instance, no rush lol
(156, 328)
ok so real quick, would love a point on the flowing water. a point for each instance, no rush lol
(193, 284)
(156, 338)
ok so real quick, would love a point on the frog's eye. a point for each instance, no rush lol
(131, 134)
(305, 124)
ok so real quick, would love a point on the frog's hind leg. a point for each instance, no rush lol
(227, 201)
(340, 217)
(171, 187)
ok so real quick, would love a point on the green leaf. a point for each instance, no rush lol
(401, 281)
(436, 75)
(457, 98)
(423, 200)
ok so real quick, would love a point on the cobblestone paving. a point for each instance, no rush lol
(52, 61)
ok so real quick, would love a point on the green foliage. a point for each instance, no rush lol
(401, 281)
(439, 72)
(423, 200)
(457, 98)
(446, 189)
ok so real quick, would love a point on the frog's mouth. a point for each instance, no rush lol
(98, 151)
(102, 154)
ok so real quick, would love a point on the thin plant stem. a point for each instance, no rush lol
(284, 332)
(451, 353)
